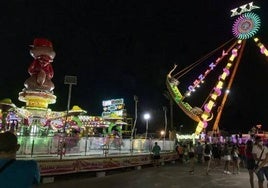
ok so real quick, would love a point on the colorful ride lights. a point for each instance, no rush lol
(246, 26)
(201, 77)
(263, 49)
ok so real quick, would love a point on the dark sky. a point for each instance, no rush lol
(118, 49)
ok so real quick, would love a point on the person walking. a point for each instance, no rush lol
(207, 156)
(226, 158)
(260, 154)
(15, 173)
(191, 155)
(156, 154)
(250, 162)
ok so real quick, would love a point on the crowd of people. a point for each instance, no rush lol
(232, 154)
(251, 155)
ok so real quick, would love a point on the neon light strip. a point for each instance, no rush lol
(261, 46)
(177, 94)
(201, 77)
(217, 92)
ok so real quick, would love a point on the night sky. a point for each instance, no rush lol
(118, 49)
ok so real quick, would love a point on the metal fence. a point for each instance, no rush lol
(33, 146)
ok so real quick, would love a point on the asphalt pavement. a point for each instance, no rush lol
(170, 175)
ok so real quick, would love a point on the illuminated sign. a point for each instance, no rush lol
(244, 8)
(114, 108)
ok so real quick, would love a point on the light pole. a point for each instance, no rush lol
(165, 114)
(163, 135)
(135, 122)
(136, 115)
(70, 80)
(146, 117)
(171, 103)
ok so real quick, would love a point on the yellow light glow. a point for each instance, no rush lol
(229, 65)
(210, 104)
(205, 115)
(223, 76)
(199, 127)
(219, 85)
(214, 96)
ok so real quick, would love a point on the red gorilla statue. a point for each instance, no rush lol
(41, 70)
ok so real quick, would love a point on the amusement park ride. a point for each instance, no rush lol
(245, 27)
(37, 119)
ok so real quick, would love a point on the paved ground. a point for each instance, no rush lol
(167, 176)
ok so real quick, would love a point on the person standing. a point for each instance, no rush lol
(16, 173)
(216, 153)
(199, 152)
(235, 159)
(260, 154)
(241, 149)
(207, 156)
(185, 153)
(191, 155)
(250, 162)
(180, 152)
(156, 154)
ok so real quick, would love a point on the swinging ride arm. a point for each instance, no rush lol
(220, 108)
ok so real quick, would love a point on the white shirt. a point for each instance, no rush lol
(257, 150)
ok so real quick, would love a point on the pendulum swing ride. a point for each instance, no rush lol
(245, 27)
